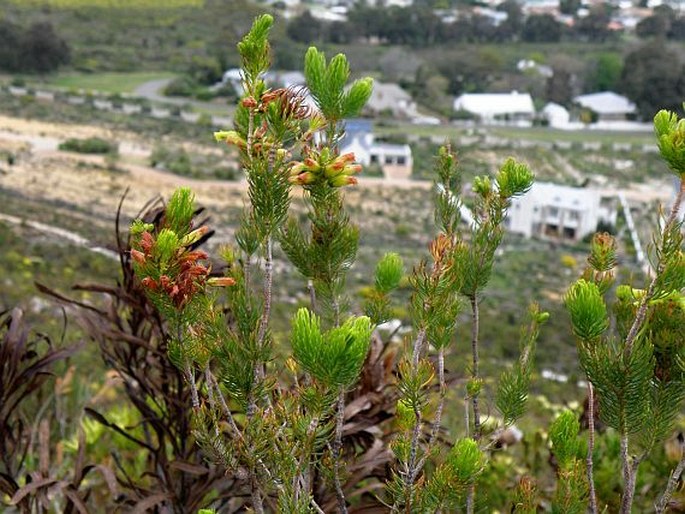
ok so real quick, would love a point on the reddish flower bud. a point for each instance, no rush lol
(311, 164)
(221, 281)
(352, 169)
(346, 158)
(248, 102)
(137, 256)
(150, 283)
(146, 242)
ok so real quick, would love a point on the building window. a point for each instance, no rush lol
(388, 159)
(574, 215)
(374, 159)
(569, 233)
(553, 211)
(401, 160)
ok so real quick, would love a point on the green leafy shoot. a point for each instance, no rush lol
(588, 311)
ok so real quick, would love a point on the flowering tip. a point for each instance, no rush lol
(352, 169)
(231, 137)
(138, 256)
(194, 236)
(342, 180)
(296, 168)
(248, 102)
(346, 158)
(150, 283)
(311, 164)
(303, 179)
(221, 281)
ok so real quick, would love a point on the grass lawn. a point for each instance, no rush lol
(574, 136)
(519, 133)
(108, 82)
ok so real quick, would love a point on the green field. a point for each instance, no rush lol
(544, 134)
(112, 4)
(107, 82)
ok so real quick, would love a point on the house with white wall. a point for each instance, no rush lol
(552, 211)
(608, 106)
(392, 99)
(498, 108)
(395, 160)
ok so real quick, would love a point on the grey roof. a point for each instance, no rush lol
(606, 102)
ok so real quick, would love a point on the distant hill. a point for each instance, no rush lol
(111, 4)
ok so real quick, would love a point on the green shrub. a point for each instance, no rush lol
(91, 145)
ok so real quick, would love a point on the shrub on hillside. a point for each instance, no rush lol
(91, 145)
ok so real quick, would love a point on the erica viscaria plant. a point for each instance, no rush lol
(278, 438)
(324, 251)
(460, 265)
(176, 279)
(638, 372)
(571, 492)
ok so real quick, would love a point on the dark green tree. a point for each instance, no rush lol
(41, 49)
(595, 26)
(652, 77)
(541, 28)
(605, 73)
(305, 28)
(10, 36)
(569, 6)
(658, 25)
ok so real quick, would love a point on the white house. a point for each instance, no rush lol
(395, 160)
(557, 116)
(559, 212)
(391, 98)
(509, 108)
(607, 105)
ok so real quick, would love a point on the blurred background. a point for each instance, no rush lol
(100, 97)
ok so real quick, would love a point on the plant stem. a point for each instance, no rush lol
(312, 294)
(628, 482)
(662, 503)
(259, 371)
(469, 499)
(188, 370)
(257, 502)
(642, 310)
(475, 327)
(438, 413)
(268, 285)
(307, 457)
(630, 469)
(224, 406)
(591, 447)
(418, 347)
(412, 466)
(337, 449)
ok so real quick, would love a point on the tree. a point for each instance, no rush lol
(595, 26)
(541, 28)
(470, 72)
(510, 28)
(569, 6)
(658, 25)
(605, 73)
(305, 28)
(41, 49)
(652, 77)
(10, 36)
(677, 32)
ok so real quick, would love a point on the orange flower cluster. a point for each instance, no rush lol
(321, 166)
(183, 276)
